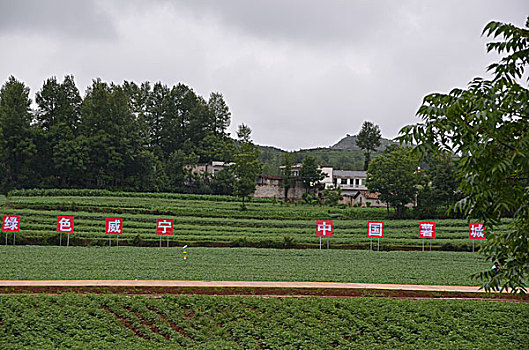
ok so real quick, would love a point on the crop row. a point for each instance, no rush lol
(239, 264)
(107, 321)
(222, 223)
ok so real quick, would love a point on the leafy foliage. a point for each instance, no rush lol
(394, 176)
(310, 174)
(488, 125)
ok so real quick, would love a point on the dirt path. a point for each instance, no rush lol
(235, 284)
(158, 288)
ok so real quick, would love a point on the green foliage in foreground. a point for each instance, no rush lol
(488, 124)
(178, 322)
(239, 264)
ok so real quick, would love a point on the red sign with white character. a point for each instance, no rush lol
(11, 223)
(65, 224)
(426, 229)
(324, 228)
(476, 230)
(164, 226)
(114, 226)
(375, 229)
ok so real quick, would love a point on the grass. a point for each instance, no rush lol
(245, 264)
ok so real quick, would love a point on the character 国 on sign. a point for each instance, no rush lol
(375, 229)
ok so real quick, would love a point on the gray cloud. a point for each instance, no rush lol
(300, 73)
(81, 20)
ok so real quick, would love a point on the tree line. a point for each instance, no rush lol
(137, 137)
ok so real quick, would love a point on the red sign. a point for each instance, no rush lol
(324, 228)
(114, 226)
(164, 226)
(375, 229)
(426, 229)
(476, 230)
(65, 224)
(11, 223)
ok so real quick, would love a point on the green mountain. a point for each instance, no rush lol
(349, 143)
(344, 155)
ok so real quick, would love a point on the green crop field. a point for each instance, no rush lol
(203, 322)
(243, 264)
(213, 221)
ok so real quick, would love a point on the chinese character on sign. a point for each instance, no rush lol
(164, 226)
(375, 229)
(114, 226)
(426, 229)
(11, 223)
(65, 224)
(476, 230)
(323, 228)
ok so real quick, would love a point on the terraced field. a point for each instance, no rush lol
(213, 221)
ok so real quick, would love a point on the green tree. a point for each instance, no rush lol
(488, 124)
(439, 188)
(62, 154)
(17, 147)
(289, 179)
(310, 174)
(394, 176)
(332, 195)
(247, 166)
(220, 114)
(368, 139)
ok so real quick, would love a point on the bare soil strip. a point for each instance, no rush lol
(155, 288)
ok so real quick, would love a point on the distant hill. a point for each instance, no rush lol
(345, 155)
(349, 143)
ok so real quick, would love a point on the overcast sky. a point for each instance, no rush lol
(300, 73)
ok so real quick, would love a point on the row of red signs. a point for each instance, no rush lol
(114, 226)
(375, 229)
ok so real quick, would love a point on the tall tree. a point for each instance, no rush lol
(61, 156)
(17, 147)
(368, 139)
(247, 167)
(289, 179)
(394, 176)
(488, 124)
(310, 174)
(220, 113)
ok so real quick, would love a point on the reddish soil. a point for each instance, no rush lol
(265, 289)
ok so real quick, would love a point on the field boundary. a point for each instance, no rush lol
(159, 288)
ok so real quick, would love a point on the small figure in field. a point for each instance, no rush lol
(495, 268)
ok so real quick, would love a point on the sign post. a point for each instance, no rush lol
(476, 230)
(324, 229)
(114, 226)
(427, 230)
(11, 223)
(164, 227)
(375, 229)
(65, 225)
